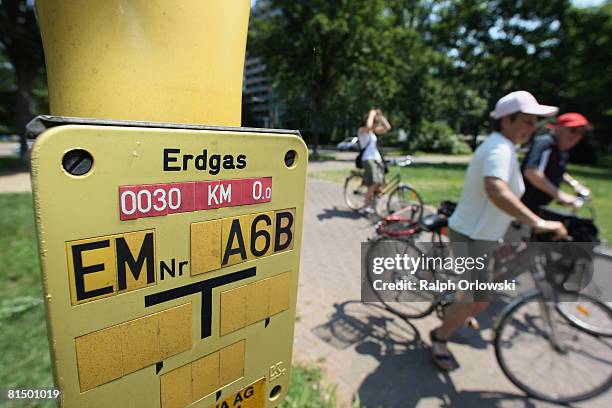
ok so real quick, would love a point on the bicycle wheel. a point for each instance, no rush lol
(406, 201)
(588, 314)
(408, 304)
(355, 192)
(578, 367)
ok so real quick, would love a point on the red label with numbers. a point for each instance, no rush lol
(154, 200)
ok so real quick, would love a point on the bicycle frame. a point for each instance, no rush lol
(391, 185)
(546, 303)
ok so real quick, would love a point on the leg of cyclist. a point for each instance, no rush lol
(454, 317)
(373, 178)
(467, 303)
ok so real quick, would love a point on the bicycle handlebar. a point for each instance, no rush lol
(406, 161)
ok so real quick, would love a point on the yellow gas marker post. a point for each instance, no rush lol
(169, 252)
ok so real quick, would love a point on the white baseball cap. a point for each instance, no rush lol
(521, 101)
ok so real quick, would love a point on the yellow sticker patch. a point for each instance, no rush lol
(205, 246)
(114, 352)
(254, 302)
(204, 375)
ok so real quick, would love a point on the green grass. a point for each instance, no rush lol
(24, 356)
(307, 389)
(434, 182)
(24, 350)
(396, 151)
(437, 182)
(320, 157)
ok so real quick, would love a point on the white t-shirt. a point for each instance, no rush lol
(476, 216)
(371, 152)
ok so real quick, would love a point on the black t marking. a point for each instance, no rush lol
(205, 289)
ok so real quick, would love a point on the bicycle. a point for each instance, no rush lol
(401, 196)
(583, 230)
(537, 316)
(400, 231)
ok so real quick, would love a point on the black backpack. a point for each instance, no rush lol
(358, 159)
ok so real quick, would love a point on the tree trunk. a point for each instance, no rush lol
(23, 106)
(315, 137)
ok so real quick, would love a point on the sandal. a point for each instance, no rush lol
(472, 323)
(445, 361)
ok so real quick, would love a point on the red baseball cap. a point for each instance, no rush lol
(570, 119)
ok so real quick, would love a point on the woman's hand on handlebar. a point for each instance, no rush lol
(556, 228)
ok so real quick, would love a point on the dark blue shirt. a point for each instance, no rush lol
(546, 156)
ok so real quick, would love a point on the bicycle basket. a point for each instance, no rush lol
(569, 267)
(579, 228)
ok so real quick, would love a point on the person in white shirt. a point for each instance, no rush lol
(376, 124)
(490, 200)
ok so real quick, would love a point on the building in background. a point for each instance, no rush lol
(263, 105)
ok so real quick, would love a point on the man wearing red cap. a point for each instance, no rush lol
(544, 166)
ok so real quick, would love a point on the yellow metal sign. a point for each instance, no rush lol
(170, 262)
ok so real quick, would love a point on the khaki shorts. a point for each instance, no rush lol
(374, 172)
(475, 249)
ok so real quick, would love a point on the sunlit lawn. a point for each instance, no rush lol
(437, 182)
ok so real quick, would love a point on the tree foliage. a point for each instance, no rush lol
(427, 62)
(22, 61)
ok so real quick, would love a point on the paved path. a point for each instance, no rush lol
(15, 182)
(366, 350)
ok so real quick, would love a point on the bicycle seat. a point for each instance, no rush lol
(433, 222)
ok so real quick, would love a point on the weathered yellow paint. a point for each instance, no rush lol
(176, 388)
(239, 238)
(205, 376)
(103, 256)
(258, 301)
(233, 310)
(254, 302)
(280, 293)
(175, 330)
(205, 246)
(140, 343)
(145, 60)
(231, 362)
(99, 357)
(111, 353)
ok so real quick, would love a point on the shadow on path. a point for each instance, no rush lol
(405, 373)
(329, 213)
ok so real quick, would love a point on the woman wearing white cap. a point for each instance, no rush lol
(489, 201)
